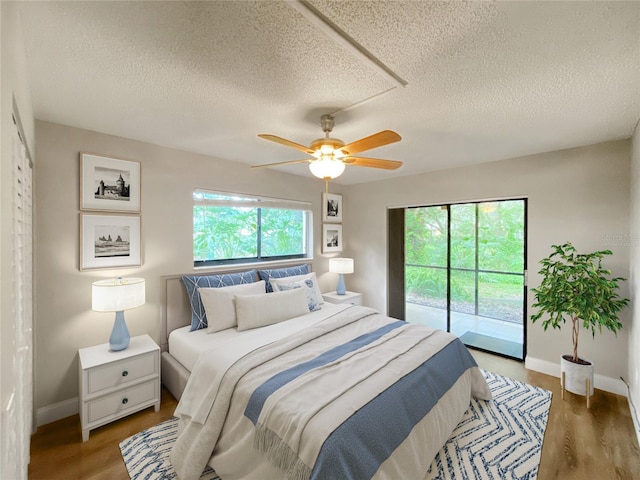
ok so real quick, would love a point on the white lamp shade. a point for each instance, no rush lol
(327, 167)
(117, 294)
(341, 265)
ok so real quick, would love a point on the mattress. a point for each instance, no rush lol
(186, 346)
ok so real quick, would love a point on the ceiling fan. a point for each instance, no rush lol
(330, 155)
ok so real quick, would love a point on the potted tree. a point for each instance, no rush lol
(576, 287)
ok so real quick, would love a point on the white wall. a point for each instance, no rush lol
(634, 331)
(579, 195)
(64, 321)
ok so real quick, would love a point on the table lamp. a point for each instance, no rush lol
(117, 295)
(341, 266)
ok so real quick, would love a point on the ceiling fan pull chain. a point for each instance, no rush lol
(326, 185)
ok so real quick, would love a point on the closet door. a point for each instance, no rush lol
(17, 419)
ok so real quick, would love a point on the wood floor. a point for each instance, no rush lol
(580, 444)
(57, 450)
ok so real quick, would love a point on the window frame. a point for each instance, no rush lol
(242, 200)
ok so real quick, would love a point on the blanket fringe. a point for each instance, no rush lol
(280, 454)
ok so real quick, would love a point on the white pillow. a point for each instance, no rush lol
(308, 282)
(219, 303)
(254, 311)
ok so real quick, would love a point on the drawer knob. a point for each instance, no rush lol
(125, 373)
(125, 401)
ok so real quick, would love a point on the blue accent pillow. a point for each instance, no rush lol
(193, 282)
(266, 275)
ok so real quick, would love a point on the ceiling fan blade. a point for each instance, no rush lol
(372, 162)
(379, 139)
(291, 162)
(286, 143)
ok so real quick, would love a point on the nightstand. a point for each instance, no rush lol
(352, 298)
(116, 384)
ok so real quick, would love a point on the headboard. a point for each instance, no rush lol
(176, 309)
(175, 306)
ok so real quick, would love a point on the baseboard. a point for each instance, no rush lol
(636, 420)
(601, 382)
(634, 415)
(57, 411)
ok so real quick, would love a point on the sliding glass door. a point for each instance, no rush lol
(426, 266)
(464, 268)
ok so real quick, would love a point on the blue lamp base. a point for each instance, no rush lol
(119, 339)
(341, 289)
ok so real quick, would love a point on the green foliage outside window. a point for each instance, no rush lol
(226, 233)
(282, 232)
(223, 233)
(499, 228)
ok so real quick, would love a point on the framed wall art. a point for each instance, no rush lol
(331, 207)
(109, 241)
(331, 238)
(109, 184)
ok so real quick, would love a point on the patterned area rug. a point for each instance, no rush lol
(501, 439)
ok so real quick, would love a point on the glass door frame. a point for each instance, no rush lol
(477, 271)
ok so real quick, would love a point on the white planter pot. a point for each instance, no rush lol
(576, 375)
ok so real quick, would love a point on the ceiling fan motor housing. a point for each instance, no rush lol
(327, 122)
(331, 145)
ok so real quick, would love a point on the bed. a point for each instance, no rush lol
(338, 392)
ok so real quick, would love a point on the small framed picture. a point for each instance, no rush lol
(331, 207)
(109, 184)
(109, 241)
(331, 238)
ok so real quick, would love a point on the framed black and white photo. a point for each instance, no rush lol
(331, 207)
(108, 241)
(331, 238)
(109, 184)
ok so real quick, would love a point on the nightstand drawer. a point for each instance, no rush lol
(119, 402)
(122, 372)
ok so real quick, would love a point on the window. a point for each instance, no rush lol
(236, 228)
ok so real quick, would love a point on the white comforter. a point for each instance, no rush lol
(267, 412)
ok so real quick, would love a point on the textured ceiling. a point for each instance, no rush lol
(485, 80)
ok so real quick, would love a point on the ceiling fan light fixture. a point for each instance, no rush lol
(327, 167)
(326, 149)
